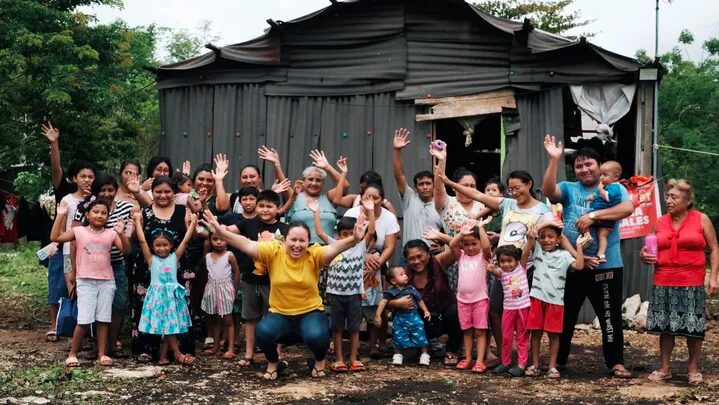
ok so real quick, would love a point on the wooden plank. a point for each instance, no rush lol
(469, 107)
(482, 96)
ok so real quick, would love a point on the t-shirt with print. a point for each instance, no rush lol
(255, 229)
(385, 225)
(418, 216)
(516, 221)
(123, 210)
(72, 204)
(453, 214)
(407, 291)
(574, 205)
(345, 273)
(472, 278)
(295, 290)
(515, 288)
(550, 275)
(92, 257)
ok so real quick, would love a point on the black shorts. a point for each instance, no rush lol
(345, 312)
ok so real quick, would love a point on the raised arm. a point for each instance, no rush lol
(244, 245)
(528, 247)
(222, 202)
(188, 236)
(57, 234)
(455, 244)
(440, 192)
(320, 160)
(579, 253)
(140, 234)
(271, 155)
(53, 138)
(284, 188)
(133, 186)
(329, 252)
(401, 140)
(489, 201)
(315, 208)
(484, 241)
(368, 204)
(336, 194)
(555, 149)
(121, 240)
(436, 235)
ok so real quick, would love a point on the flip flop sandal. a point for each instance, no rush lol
(695, 378)
(357, 366)
(144, 358)
(479, 368)
(163, 362)
(270, 375)
(338, 367)
(246, 362)
(229, 356)
(553, 373)
(465, 364)
(51, 336)
(186, 360)
(620, 373)
(532, 371)
(72, 362)
(105, 361)
(657, 375)
(209, 352)
(450, 360)
(318, 373)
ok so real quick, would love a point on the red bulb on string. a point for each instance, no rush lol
(209, 133)
(369, 133)
(237, 134)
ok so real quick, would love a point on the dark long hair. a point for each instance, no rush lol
(525, 177)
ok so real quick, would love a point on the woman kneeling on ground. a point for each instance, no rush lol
(295, 303)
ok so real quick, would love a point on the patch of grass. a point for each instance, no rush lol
(50, 379)
(23, 282)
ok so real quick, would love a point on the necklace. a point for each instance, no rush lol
(93, 230)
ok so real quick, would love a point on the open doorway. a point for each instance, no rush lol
(482, 157)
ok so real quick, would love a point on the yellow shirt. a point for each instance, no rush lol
(293, 282)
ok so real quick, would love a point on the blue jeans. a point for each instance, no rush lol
(56, 286)
(312, 328)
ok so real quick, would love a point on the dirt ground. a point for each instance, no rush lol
(31, 372)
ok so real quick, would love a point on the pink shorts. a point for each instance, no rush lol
(473, 315)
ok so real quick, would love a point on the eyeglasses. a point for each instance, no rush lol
(515, 188)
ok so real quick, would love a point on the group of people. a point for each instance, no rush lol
(186, 260)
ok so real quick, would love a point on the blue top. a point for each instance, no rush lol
(614, 193)
(300, 212)
(575, 204)
(164, 271)
(407, 291)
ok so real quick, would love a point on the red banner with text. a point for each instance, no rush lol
(646, 208)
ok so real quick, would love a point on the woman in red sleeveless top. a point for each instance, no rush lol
(677, 306)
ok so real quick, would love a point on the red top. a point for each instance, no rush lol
(681, 261)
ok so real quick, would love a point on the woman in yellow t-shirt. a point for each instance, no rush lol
(295, 303)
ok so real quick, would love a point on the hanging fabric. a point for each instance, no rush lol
(605, 104)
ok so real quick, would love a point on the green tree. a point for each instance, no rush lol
(551, 16)
(90, 80)
(689, 118)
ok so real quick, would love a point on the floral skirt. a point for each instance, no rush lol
(677, 311)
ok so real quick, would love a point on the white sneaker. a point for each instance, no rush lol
(397, 359)
(424, 359)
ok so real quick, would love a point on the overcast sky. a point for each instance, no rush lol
(622, 26)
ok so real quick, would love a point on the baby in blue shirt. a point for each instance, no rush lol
(607, 194)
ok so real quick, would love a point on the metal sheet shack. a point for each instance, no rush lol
(343, 78)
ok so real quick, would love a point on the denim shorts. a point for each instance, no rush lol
(56, 286)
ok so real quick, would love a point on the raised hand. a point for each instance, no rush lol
(484, 222)
(193, 219)
(119, 226)
(360, 228)
(221, 167)
(342, 164)
(401, 138)
(439, 171)
(186, 167)
(280, 187)
(432, 234)
(210, 221)
(62, 209)
(368, 202)
(468, 227)
(269, 154)
(319, 159)
(312, 205)
(299, 186)
(51, 133)
(133, 184)
(147, 184)
(553, 148)
(439, 154)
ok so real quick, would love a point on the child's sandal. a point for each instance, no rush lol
(246, 362)
(163, 362)
(357, 366)
(479, 368)
(72, 362)
(465, 364)
(105, 361)
(338, 367)
(532, 371)
(553, 373)
(229, 356)
(186, 360)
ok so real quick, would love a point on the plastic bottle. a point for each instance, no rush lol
(650, 244)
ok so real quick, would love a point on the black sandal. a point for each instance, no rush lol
(450, 360)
